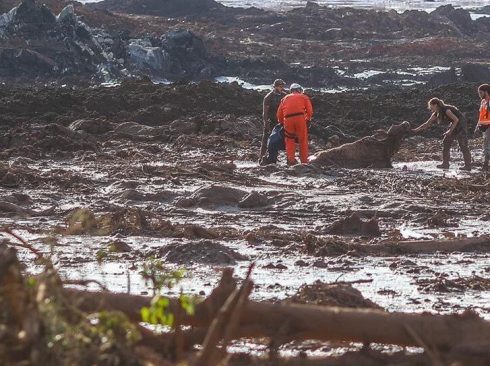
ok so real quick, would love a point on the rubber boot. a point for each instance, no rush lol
(467, 160)
(292, 162)
(445, 158)
(264, 161)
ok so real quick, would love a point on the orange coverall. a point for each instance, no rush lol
(294, 112)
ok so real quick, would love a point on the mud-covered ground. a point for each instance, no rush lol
(106, 178)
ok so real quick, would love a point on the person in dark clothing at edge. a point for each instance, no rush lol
(270, 106)
(457, 130)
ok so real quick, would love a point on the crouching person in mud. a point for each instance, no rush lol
(269, 116)
(457, 131)
(483, 124)
(295, 113)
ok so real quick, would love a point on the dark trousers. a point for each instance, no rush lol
(275, 143)
(447, 142)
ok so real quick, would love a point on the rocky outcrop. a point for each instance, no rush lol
(460, 18)
(176, 55)
(373, 151)
(36, 43)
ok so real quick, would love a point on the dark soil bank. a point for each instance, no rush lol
(192, 40)
(165, 113)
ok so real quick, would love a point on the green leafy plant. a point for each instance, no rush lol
(159, 277)
(155, 273)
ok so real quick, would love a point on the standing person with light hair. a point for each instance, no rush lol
(457, 131)
(483, 124)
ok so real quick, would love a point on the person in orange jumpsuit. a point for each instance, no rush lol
(483, 124)
(295, 112)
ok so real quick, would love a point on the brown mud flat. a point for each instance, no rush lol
(123, 174)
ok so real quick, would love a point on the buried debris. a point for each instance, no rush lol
(460, 284)
(216, 195)
(354, 225)
(205, 251)
(328, 247)
(332, 294)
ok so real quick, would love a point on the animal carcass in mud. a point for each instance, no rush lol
(373, 151)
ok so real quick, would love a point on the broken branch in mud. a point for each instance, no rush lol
(224, 325)
(23, 243)
(85, 283)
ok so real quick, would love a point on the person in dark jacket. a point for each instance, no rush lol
(457, 130)
(269, 114)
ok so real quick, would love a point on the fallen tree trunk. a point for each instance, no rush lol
(320, 323)
(363, 325)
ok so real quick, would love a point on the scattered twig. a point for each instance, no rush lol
(23, 243)
(85, 283)
(367, 280)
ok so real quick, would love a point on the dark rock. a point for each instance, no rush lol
(301, 263)
(176, 55)
(187, 56)
(460, 17)
(25, 61)
(41, 44)
(320, 264)
(132, 195)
